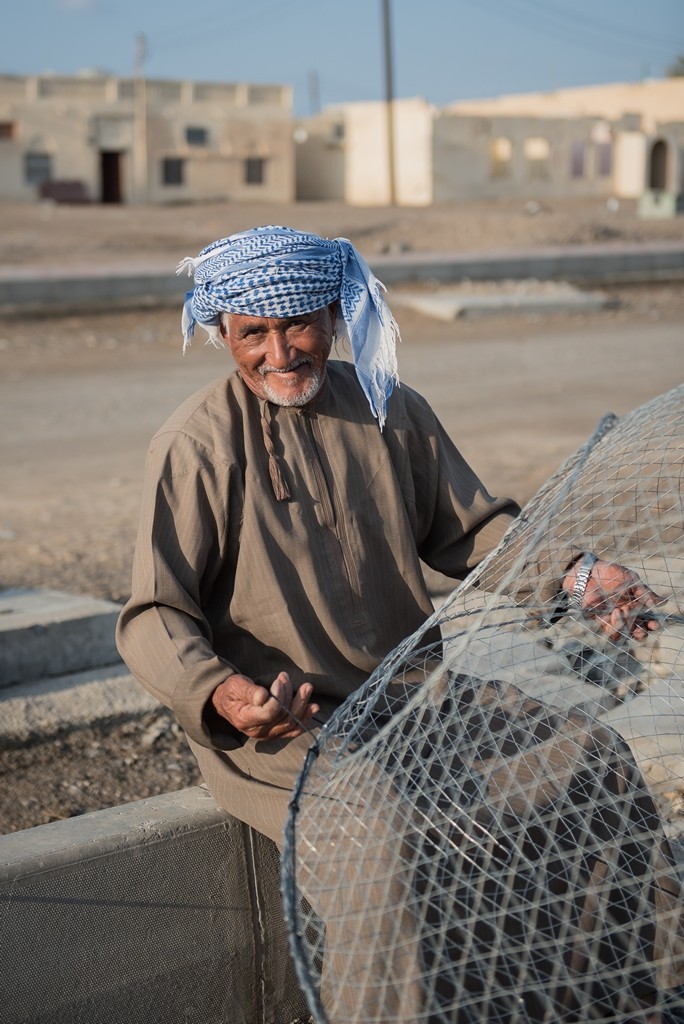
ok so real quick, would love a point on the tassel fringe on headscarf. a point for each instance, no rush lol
(280, 272)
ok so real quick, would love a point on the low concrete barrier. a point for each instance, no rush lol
(47, 633)
(35, 290)
(161, 911)
(580, 264)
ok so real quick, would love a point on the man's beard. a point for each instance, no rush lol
(297, 398)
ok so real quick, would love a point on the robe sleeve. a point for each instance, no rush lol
(162, 634)
(456, 521)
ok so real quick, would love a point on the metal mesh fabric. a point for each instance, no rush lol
(488, 831)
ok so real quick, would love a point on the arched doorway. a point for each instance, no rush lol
(657, 166)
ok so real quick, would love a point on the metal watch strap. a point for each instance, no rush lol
(583, 573)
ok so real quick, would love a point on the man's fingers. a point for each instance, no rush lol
(266, 714)
(281, 689)
(300, 703)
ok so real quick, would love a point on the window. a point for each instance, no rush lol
(37, 168)
(7, 129)
(500, 153)
(195, 136)
(537, 152)
(173, 171)
(577, 155)
(255, 170)
(604, 159)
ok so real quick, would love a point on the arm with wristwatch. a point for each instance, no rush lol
(613, 595)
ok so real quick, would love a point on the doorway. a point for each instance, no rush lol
(110, 176)
(657, 167)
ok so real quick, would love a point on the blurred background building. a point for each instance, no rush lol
(621, 140)
(127, 140)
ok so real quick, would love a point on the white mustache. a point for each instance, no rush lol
(302, 361)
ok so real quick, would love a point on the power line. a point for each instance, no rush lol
(526, 19)
(268, 12)
(590, 24)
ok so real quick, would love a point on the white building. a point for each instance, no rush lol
(127, 140)
(614, 140)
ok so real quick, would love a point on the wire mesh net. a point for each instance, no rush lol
(489, 829)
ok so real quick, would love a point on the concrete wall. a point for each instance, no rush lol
(213, 129)
(547, 157)
(367, 159)
(320, 157)
(342, 154)
(591, 143)
(154, 912)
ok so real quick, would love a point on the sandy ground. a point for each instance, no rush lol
(69, 235)
(80, 397)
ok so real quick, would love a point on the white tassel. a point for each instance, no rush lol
(214, 336)
(189, 264)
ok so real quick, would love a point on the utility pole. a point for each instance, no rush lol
(140, 119)
(389, 101)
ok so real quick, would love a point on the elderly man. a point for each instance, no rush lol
(285, 513)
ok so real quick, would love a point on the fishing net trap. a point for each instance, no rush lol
(489, 830)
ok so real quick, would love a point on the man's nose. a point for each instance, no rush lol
(281, 352)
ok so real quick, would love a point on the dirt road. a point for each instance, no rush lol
(79, 400)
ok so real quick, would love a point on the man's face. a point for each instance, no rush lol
(281, 359)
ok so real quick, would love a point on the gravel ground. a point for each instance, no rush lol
(101, 766)
(69, 235)
(67, 517)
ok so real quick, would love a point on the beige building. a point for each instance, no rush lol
(126, 140)
(343, 154)
(618, 140)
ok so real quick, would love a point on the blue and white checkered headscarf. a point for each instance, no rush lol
(281, 272)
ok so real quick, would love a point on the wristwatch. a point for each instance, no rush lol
(576, 598)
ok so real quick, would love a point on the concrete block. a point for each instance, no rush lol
(657, 204)
(83, 289)
(47, 633)
(162, 910)
(32, 711)
(448, 304)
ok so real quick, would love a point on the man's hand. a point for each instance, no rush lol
(264, 714)
(618, 600)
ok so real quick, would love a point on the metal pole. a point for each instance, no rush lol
(389, 101)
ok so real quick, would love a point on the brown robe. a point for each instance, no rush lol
(228, 578)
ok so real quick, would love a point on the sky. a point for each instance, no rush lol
(442, 50)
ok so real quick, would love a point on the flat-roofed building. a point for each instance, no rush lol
(109, 139)
(616, 140)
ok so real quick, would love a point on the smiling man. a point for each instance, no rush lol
(282, 360)
(285, 513)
